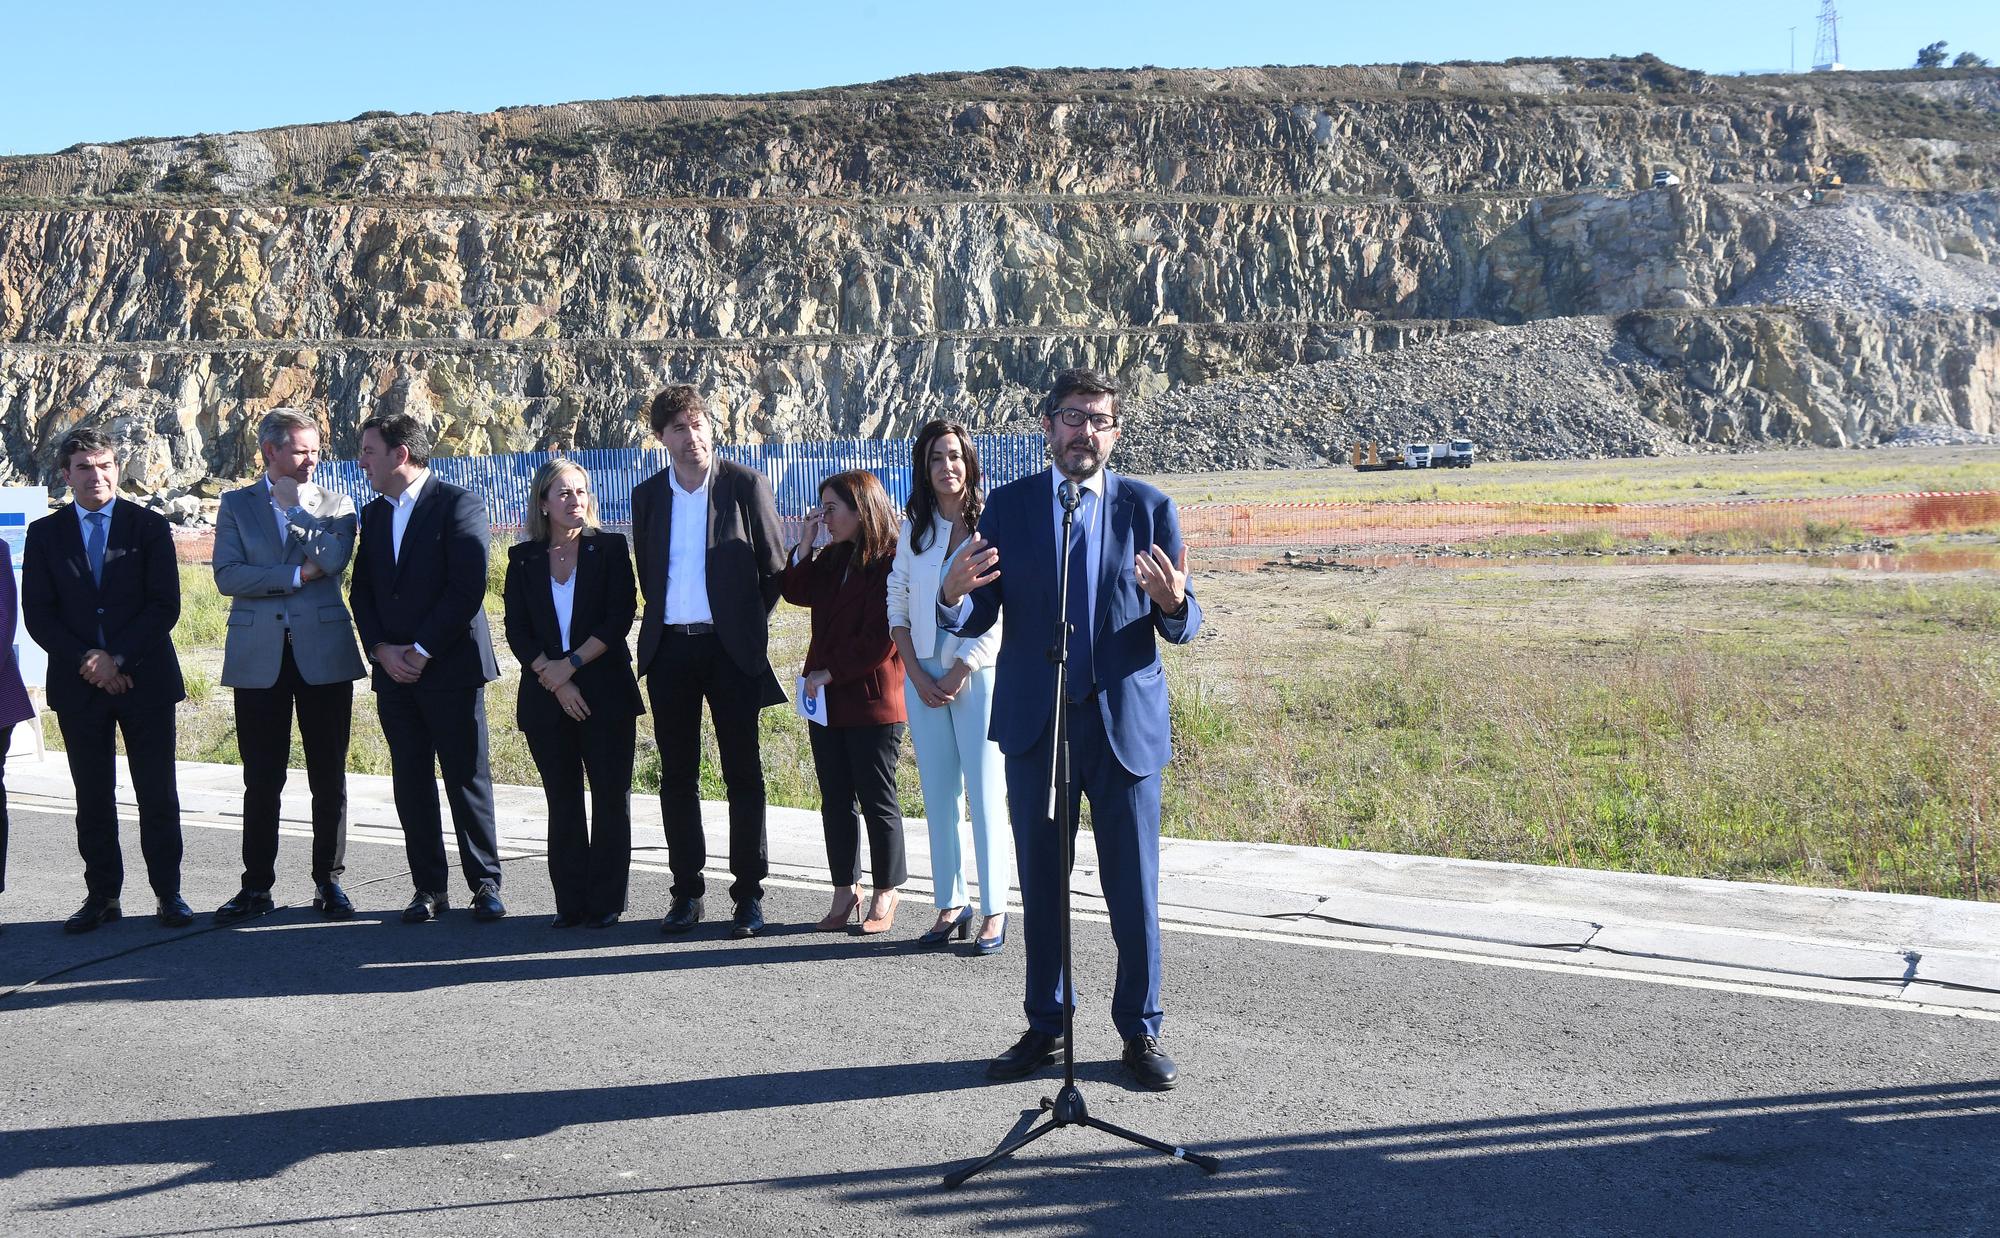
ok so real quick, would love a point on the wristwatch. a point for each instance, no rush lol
(575, 661)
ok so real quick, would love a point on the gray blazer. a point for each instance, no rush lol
(254, 567)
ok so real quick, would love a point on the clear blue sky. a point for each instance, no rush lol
(86, 70)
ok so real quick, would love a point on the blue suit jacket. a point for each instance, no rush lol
(136, 605)
(1019, 521)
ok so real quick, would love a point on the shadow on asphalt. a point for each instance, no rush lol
(374, 953)
(1857, 1161)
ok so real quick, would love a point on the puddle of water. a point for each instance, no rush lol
(1916, 562)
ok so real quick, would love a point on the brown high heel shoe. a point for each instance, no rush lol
(838, 918)
(881, 912)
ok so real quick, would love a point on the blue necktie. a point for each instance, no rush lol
(1081, 676)
(94, 546)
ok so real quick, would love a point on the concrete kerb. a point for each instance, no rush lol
(1939, 953)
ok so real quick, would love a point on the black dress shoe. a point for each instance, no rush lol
(606, 920)
(1030, 1053)
(486, 904)
(95, 911)
(174, 912)
(565, 920)
(749, 918)
(682, 916)
(330, 901)
(247, 903)
(425, 907)
(1150, 1068)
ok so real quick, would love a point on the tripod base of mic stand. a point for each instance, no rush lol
(1068, 1109)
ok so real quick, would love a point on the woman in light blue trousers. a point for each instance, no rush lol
(948, 688)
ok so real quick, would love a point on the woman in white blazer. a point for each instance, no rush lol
(948, 688)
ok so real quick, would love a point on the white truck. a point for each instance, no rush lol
(1416, 455)
(1457, 454)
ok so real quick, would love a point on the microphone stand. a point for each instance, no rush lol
(1067, 1107)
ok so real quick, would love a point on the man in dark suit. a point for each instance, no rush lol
(1128, 584)
(418, 595)
(281, 545)
(101, 592)
(709, 552)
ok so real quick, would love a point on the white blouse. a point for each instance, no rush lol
(564, 593)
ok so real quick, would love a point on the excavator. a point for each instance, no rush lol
(1826, 187)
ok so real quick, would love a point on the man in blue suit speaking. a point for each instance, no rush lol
(1128, 582)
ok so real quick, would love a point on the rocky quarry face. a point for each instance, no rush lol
(1276, 263)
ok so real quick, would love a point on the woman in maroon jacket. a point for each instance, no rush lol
(846, 586)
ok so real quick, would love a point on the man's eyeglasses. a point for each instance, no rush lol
(1074, 417)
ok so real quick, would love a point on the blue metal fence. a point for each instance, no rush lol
(795, 470)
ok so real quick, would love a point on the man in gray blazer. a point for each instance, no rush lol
(281, 545)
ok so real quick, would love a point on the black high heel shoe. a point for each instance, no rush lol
(961, 927)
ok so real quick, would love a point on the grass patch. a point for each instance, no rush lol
(204, 620)
(1690, 721)
(1869, 762)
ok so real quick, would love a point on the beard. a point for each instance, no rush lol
(1080, 461)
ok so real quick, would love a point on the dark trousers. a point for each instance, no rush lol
(264, 738)
(590, 864)
(857, 765)
(433, 730)
(6, 738)
(686, 671)
(89, 734)
(1125, 822)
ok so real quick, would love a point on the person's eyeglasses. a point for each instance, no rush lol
(1074, 417)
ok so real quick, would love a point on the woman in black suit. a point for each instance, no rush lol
(570, 601)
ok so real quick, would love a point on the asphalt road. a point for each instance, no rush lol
(298, 1077)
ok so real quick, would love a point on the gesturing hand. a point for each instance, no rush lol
(977, 565)
(1163, 580)
(809, 534)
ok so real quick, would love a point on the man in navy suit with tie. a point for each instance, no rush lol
(1128, 584)
(101, 592)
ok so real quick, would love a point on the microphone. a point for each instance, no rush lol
(1069, 494)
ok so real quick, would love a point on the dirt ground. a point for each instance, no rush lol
(1803, 473)
(1257, 608)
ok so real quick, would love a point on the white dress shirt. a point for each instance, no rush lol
(687, 553)
(400, 508)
